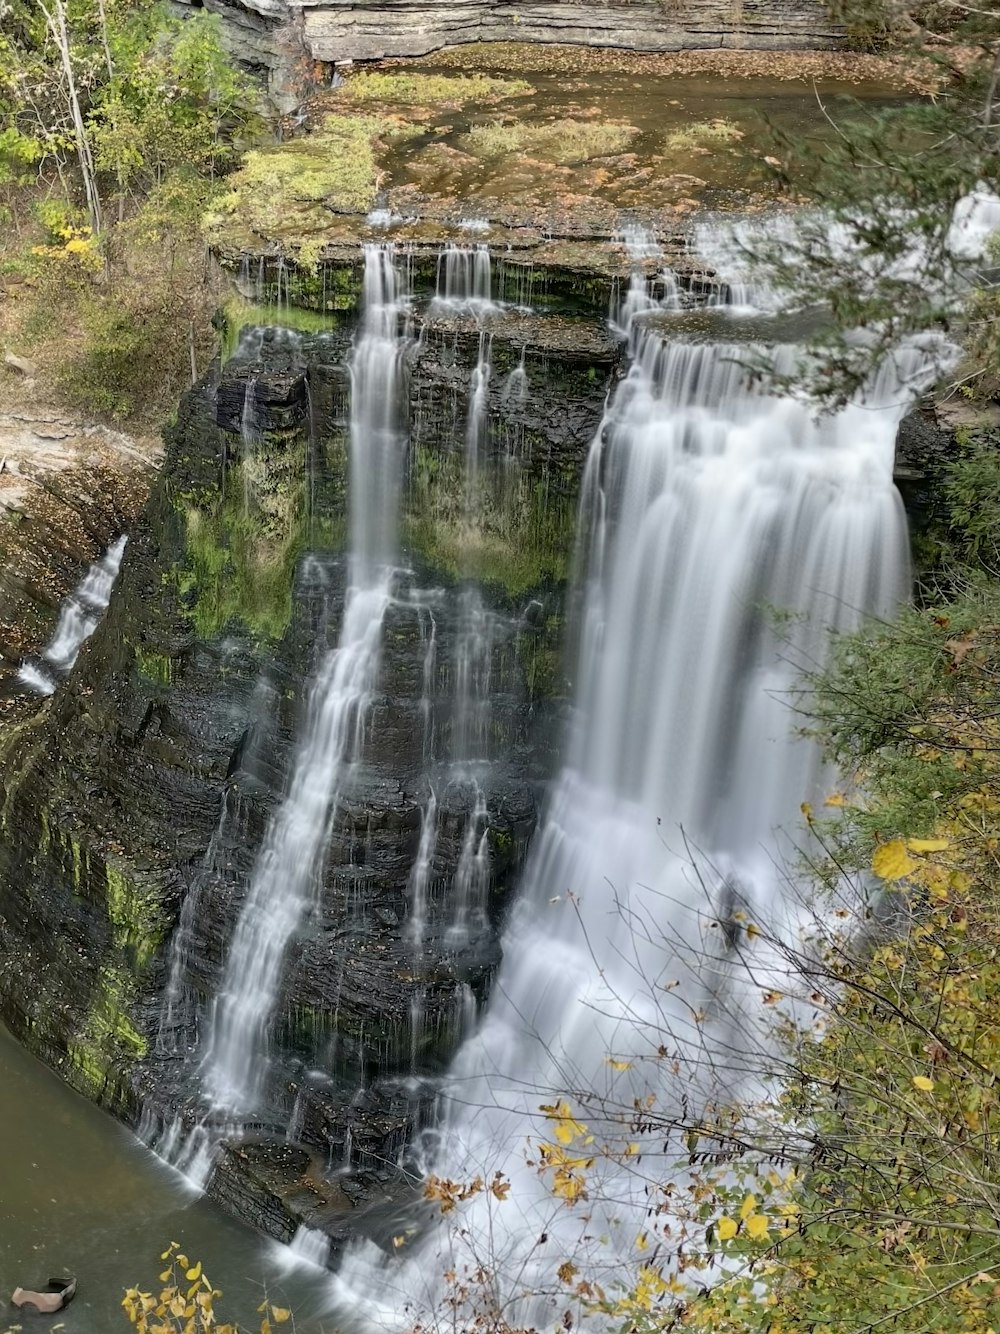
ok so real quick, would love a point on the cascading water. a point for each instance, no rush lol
(249, 432)
(464, 281)
(707, 500)
(79, 617)
(643, 294)
(284, 878)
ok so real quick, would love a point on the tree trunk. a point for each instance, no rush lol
(57, 27)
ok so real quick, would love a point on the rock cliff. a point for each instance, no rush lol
(274, 35)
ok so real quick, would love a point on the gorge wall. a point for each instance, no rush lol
(274, 35)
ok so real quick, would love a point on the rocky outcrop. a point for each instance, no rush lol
(134, 800)
(370, 31)
(274, 35)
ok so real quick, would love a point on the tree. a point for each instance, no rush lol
(891, 247)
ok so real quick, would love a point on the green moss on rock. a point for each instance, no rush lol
(512, 533)
(137, 922)
(285, 195)
(452, 90)
(241, 551)
(108, 1041)
(565, 141)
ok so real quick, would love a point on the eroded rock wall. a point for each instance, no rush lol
(275, 35)
(147, 781)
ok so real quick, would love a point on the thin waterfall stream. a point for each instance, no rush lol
(284, 879)
(79, 616)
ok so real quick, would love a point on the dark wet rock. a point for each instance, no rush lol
(922, 444)
(152, 775)
(279, 399)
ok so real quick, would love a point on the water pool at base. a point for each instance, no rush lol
(79, 1194)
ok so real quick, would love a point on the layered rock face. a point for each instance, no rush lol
(135, 801)
(273, 34)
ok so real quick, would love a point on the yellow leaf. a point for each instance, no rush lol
(891, 861)
(748, 1206)
(807, 811)
(752, 930)
(642, 1242)
(726, 1228)
(923, 1083)
(835, 799)
(194, 1272)
(927, 844)
(631, 1149)
(619, 1065)
(165, 1276)
(279, 1314)
(567, 1271)
(756, 1227)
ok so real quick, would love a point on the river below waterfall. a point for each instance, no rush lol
(81, 1195)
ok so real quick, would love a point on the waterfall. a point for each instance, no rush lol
(79, 617)
(643, 294)
(308, 1247)
(464, 281)
(707, 501)
(249, 432)
(421, 872)
(476, 434)
(285, 877)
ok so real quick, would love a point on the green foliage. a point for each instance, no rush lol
(154, 94)
(876, 252)
(868, 23)
(121, 353)
(178, 102)
(18, 154)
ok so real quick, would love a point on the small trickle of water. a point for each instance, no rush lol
(249, 432)
(420, 872)
(645, 293)
(478, 417)
(79, 617)
(178, 1012)
(473, 669)
(192, 1152)
(472, 876)
(464, 282)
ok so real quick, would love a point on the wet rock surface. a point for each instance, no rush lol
(146, 782)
